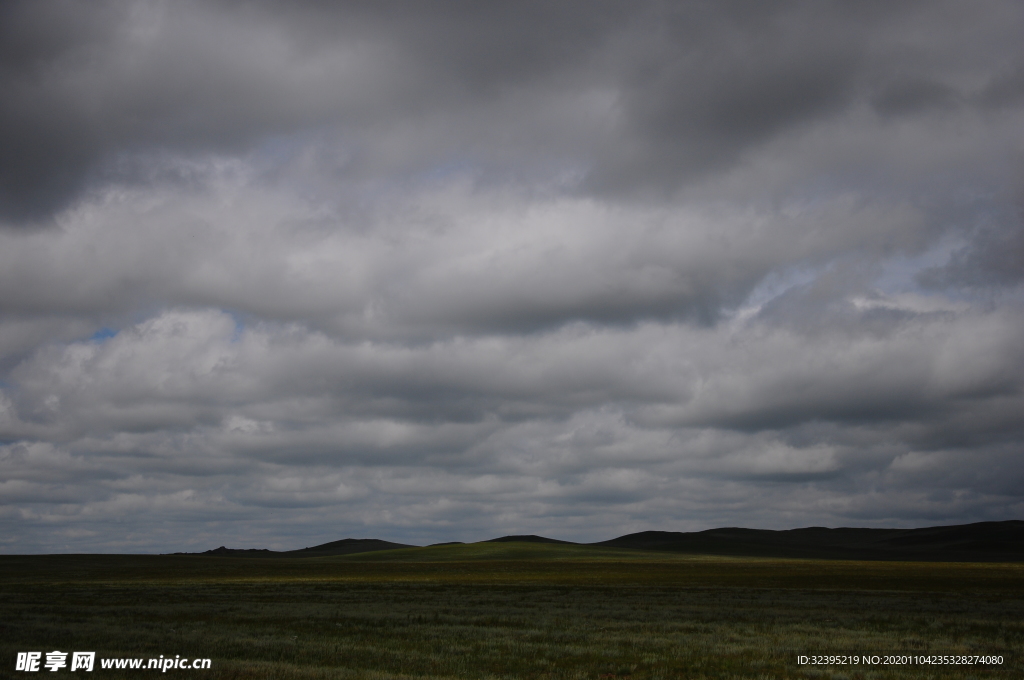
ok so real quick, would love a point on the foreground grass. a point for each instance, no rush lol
(509, 612)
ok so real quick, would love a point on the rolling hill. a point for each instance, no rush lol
(527, 539)
(346, 546)
(979, 542)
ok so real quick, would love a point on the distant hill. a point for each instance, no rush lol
(530, 538)
(346, 546)
(980, 542)
(235, 552)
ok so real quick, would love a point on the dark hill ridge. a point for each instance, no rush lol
(529, 538)
(980, 542)
(346, 546)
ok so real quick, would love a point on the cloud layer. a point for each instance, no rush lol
(277, 274)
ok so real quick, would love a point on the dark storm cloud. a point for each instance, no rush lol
(701, 85)
(694, 86)
(441, 271)
(46, 147)
(1005, 88)
(86, 83)
(913, 96)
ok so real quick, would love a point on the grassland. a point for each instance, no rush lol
(510, 610)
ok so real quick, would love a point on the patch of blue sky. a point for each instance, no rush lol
(450, 170)
(283, 149)
(103, 334)
(308, 163)
(900, 274)
(236, 335)
(778, 282)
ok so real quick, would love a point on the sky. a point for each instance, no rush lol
(274, 274)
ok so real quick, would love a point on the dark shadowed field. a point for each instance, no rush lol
(511, 610)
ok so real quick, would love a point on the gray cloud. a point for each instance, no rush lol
(444, 271)
(88, 85)
(913, 95)
(663, 93)
(994, 258)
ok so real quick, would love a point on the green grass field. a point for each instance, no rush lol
(510, 610)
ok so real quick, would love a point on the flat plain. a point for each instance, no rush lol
(511, 610)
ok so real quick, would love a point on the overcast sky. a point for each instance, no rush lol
(279, 273)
